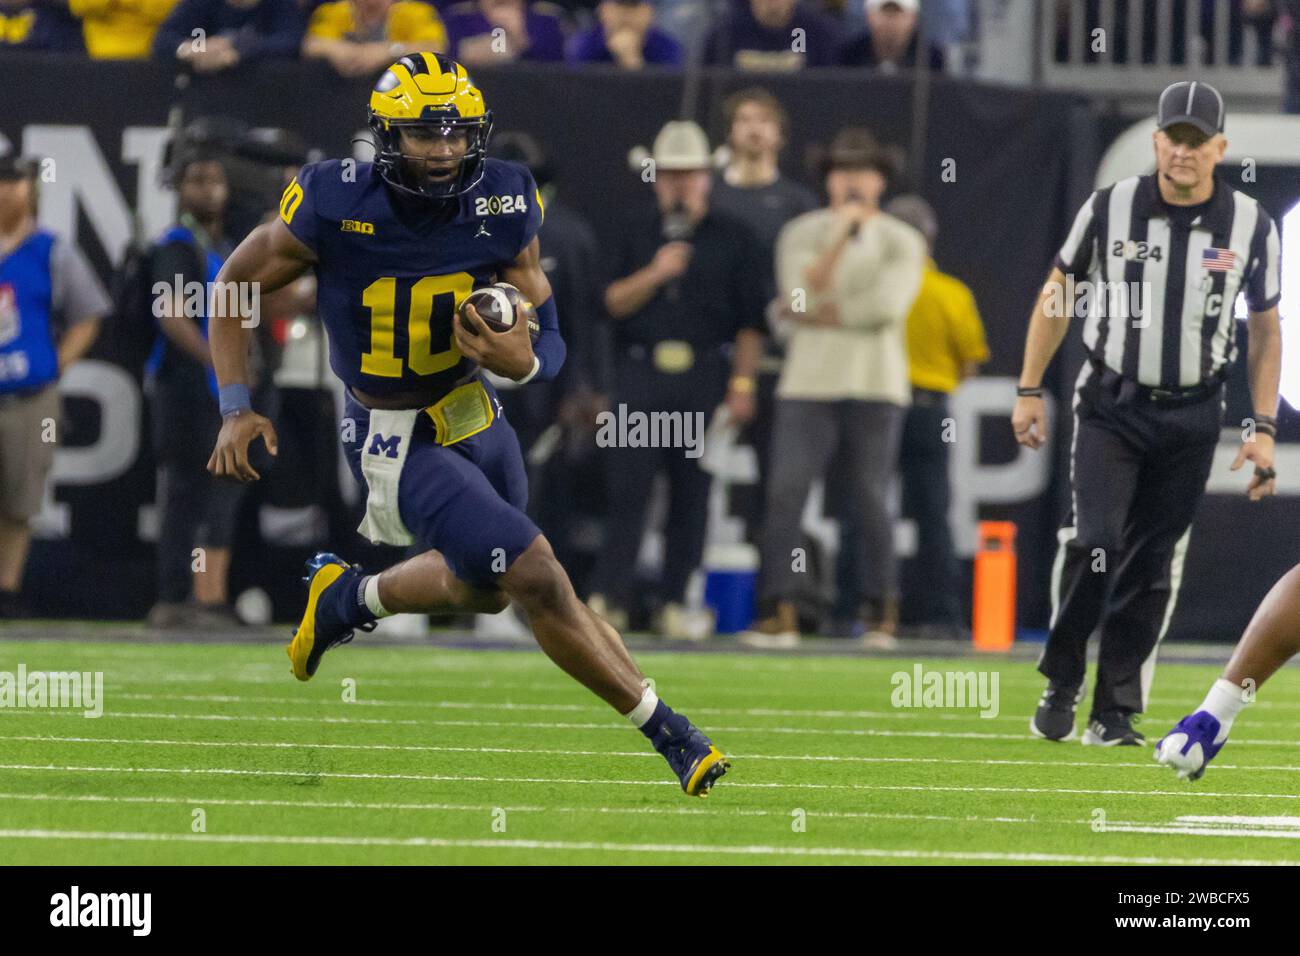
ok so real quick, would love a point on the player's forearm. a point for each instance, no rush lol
(228, 341)
(549, 347)
(262, 263)
(1264, 361)
(1046, 332)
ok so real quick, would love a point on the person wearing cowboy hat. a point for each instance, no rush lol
(687, 310)
(847, 276)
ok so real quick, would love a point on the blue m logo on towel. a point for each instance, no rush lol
(379, 445)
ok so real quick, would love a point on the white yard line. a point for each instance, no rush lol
(898, 714)
(555, 752)
(1292, 822)
(733, 784)
(865, 787)
(488, 808)
(549, 725)
(961, 714)
(1204, 831)
(607, 847)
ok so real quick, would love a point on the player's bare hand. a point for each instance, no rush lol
(1029, 421)
(671, 260)
(508, 353)
(1259, 450)
(230, 456)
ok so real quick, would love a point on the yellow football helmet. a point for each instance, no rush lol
(431, 91)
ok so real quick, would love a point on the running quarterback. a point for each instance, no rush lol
(397, 245)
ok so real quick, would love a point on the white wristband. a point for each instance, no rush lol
(537, 367)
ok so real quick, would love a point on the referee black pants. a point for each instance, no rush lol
(1138, 471)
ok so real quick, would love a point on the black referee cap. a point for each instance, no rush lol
(1192, 102)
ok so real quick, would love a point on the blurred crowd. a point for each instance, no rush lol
(360, 37)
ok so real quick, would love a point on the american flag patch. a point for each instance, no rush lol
(1218, 260)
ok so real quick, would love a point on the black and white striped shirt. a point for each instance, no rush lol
(1181, 277)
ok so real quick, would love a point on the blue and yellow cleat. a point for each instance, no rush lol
(697, 763)
(321, 628)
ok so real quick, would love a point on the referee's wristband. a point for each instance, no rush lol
(234, 399)
(1265, 424)
(1023, 391)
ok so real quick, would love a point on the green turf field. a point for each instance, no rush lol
(496, 757)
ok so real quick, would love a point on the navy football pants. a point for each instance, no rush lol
(464, 500)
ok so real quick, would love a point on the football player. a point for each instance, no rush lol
(397, 244)
(1272, 638)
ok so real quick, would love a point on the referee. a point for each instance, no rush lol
(1156, 263)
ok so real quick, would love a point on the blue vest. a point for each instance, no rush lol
(212, 262)
(28, 357)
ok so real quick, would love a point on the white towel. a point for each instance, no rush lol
(382, 458)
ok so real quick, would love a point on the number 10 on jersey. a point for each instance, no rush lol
(428, 322)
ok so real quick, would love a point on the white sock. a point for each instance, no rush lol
(372, 597)
(1224, 702)
(644, 710)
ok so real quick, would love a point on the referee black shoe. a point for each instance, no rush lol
(1054, 719)
(1112, 729)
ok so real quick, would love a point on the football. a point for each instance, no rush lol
(500, 306)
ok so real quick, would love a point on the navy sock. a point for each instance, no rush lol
(664, 724)
(344, 602)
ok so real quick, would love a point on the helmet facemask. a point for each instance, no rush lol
(396, 167)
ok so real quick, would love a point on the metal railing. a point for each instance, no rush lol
(1141, 46)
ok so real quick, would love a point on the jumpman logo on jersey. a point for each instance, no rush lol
(482, 230)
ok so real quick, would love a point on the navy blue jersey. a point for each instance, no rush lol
(391, 271)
